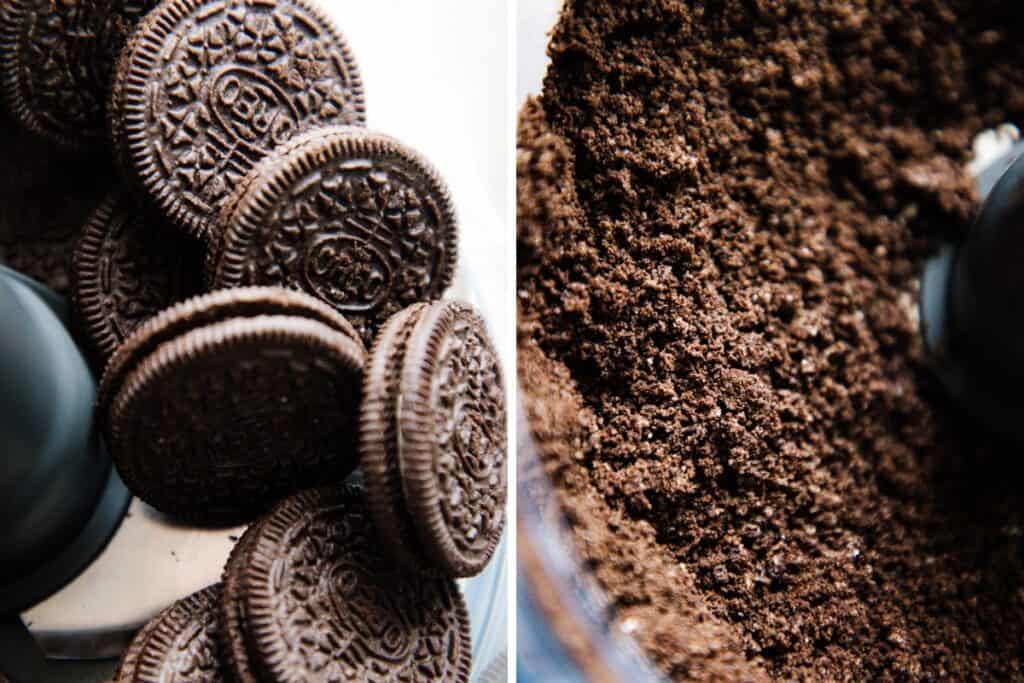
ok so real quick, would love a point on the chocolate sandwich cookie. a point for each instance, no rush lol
(127, 267)
(353, 217)
(432, 437)
(225, 403)
(317, 601)
(182, 644)
(57, 59)
(246, 302)
(207, 88)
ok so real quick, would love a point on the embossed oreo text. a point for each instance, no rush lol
(230, 82)
(253, 109)
(364, 235)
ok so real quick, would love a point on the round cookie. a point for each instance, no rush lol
(432, 438)
(210, 308)
(213, 422)
(318, 601)
(207, 88)
(127, 267)
(182, 644)
(57, 60)
(378, 437)
(355, 218)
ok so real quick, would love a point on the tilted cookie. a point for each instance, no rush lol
(181, 644)
(223, 404)
(432, 439)
(57, 61)
(207, 88)
(127, 267)
(310, 597)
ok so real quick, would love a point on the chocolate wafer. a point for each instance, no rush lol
(56, 61)
(181, 644)
(127, 267)
(227, 402)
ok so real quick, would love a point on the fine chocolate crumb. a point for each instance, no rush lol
(723, 212)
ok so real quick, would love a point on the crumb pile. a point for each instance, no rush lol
(723, 209)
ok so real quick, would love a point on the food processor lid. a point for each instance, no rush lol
(59, 496)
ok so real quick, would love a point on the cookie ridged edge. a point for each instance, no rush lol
(378, 438)
(272, 531)
(12, 16)
(417, 423)
(125, 672)
(115, 127)
(274, 528)
(224, 218)
(187, 315)
(160, 633)
(211, 339)
(303, 155)
(85, 257)
(234, 637)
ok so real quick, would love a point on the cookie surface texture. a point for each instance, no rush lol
(218, 423)
(355, 218)
(435, 383)
(207, 88)
(214, 307)
(57, 60)
(127, 267)
(322, 603)
(379, 440)
(234, 640)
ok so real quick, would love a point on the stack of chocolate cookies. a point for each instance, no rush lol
(248, 245)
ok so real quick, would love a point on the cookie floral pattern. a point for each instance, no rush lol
(354, 218)
(319, 569)
(213, 87)
(58, 60)
(470, 466)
